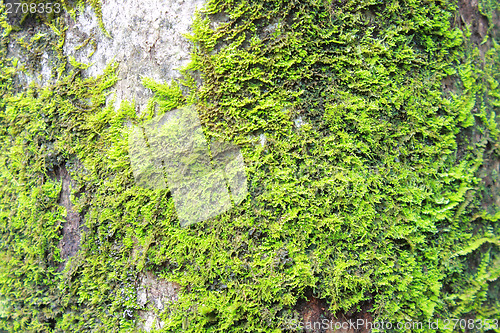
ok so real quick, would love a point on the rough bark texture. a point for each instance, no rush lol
(146, 39)
(158, 295)
(70, 241)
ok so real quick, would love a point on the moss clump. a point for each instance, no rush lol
(368, 188)
(376, 195)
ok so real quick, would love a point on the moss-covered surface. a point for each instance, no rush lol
(381, 129)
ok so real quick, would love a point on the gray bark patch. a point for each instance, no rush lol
(70, 241)
(155, 294)
(147, 40)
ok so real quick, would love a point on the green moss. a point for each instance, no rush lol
(369, 198)
(377, 197)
